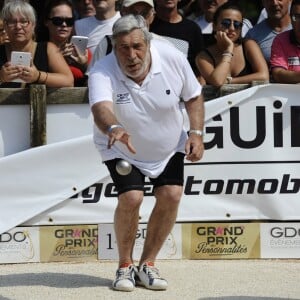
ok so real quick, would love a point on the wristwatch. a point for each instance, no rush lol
(197, 132)
(111, 127)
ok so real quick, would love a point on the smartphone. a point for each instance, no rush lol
(80, 42)
(21, 59)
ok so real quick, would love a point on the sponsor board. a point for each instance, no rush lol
(280, 240)
(221, 240)
(190, 241)
(20, 245)
(69, 243)
(171, 249)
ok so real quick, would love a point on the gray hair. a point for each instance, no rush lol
(21, 7)
(128, 23)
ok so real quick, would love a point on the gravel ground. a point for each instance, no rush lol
(188, 279)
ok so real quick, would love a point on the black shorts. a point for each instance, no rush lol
(135, 180)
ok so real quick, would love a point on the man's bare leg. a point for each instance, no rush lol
(126, 221)
(162, 220)
(160, 224)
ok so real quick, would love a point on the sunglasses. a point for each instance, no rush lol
(59, 21)
(226, 23)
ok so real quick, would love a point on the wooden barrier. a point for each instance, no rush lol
(38, 97)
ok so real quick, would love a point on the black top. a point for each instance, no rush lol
(246, 70)
(40, 60)
(185, 30)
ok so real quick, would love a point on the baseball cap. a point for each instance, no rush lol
(128, 3)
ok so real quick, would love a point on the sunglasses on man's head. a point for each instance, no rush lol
(226, 23)
(59, 21)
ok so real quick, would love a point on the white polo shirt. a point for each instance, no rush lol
(150, 113)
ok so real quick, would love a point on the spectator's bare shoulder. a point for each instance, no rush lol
(248, 43)
(206, 54)
(51, 46)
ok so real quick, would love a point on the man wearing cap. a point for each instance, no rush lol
(145, 8)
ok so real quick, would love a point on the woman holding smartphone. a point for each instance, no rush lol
(59, 21)
(48, 66)
(229, 59)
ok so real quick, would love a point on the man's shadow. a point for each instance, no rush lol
(58, 280)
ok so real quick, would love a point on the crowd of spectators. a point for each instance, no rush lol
(223, 46)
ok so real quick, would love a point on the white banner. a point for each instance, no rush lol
(250, 169)
(14, 129)
(35, 180)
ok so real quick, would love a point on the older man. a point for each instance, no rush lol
(277, 21)
(134, 95)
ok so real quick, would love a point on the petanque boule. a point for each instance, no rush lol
(123, 167)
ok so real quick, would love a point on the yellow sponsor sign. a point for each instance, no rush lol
(221, 240)
(69, 243)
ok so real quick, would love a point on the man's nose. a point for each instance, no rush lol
(131, 53)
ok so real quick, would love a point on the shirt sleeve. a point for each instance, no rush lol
(99, 92)
(191, 87)
(278, 55)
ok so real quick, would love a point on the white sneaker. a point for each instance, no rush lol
(148, 276)
(124, 279)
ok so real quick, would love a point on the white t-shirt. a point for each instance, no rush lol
(206, 27)
(95, 29)
(150, 113)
